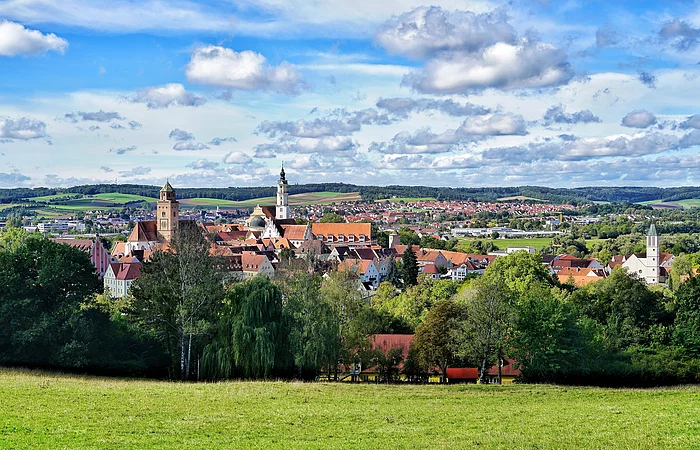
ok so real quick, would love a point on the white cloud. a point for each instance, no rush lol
(495, 125)
(24, 128)
(236, 157)
(528, 64)
(172, 94)
(17, 40)
(639, 118)
(246, 70)
(324, 145)
(425, 32)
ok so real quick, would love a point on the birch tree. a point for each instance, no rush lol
(179, 294)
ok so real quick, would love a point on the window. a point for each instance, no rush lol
(162, 214)
(341, 238)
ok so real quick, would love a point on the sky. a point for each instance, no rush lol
(439, 93)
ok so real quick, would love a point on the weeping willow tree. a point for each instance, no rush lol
(251, 339)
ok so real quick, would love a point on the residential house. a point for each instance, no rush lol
(120, 276)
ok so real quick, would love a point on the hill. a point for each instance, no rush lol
(371, 193)
(43, 410)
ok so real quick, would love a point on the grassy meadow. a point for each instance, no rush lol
(47, 411)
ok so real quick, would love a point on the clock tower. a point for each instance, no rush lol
(168, 212)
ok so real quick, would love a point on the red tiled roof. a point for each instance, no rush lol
(507, 370)
(294, 232)
(462, 373)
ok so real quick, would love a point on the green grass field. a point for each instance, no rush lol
(519, 198)
(310, 198)
(49, 411)
(106, 200)
(685, 204)
(538, 243)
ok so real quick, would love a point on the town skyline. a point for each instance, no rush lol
(439, 93)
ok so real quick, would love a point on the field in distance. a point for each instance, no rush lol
(520, 198)
(309, 198)
(43, 410)
(677, 204)
(90, 202)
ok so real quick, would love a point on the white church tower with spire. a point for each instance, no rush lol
(282, 208)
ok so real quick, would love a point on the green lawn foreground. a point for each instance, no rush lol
(40, 410)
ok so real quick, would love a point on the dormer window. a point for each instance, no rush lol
(341, 238)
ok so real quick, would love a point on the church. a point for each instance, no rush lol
(147, 235)
(652, 266)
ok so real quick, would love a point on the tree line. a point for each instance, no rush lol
(188, 319)
(617, 195)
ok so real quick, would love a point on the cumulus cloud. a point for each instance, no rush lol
(12, 179)
(339, 123)
(222, 67)
(324, 145)
(265, 151)
(593, 148)
(429, 31)
(181, 135)
(173, 94)
(402, 107)
(421, 141)
(495, 125)
(237, 157)
(136, 171)
(639, 118)
(558, 114)
(465, 52)
(691, 122)
(219, 141)
(185, 141)
(527, 64)
(24, 128)
(123, 150)
(402, 162)
(17, 40)
(106, 169)
(189, 146)
(134, 125)
(203, 164)
(99, 116)
(682, 35)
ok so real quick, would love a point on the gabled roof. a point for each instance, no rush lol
(251, 262)
(430, 269)
(82, 244)
(144, 231)
(294, 232)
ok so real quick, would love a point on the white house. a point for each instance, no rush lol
(120, 276)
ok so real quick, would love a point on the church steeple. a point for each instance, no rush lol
(167, 212)
(282, 209)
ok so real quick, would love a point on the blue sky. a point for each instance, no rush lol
(445, 93)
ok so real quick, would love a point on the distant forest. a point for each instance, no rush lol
(563, 195)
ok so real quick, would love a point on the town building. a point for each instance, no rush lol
(652, 266)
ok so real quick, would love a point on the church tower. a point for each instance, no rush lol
(653, 254)
(168, 212)
(282, 209)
